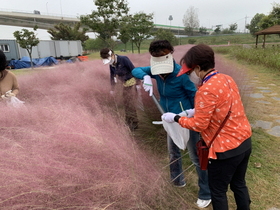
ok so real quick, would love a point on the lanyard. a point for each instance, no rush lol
(209, 76)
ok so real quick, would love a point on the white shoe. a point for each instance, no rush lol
(203, 203)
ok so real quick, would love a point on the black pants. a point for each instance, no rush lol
(130, 107)
(231, 171)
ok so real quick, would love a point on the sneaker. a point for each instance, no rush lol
(203, 203)
(180, 185)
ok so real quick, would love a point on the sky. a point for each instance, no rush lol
(210, 12)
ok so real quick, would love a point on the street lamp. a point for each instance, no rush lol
(47, 8)
(170, 19)
(60, 8)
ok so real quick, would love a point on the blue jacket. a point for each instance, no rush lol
(172, 90)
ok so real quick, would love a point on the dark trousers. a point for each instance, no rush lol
(130, 107)
(231, 171)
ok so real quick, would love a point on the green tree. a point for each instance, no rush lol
(27, 40)
(162, 34)
(217, 29)
(254, 25)
(139, 27)
(105, 21)
(191, 21)
(62, 31)
(233, 27)
(94, 44)
(124, 36)
(266, 22)
(272, 19)
(274, 15)
(202, 30)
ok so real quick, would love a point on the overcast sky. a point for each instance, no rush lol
(210, 12)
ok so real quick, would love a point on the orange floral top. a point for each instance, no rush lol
(217, 95)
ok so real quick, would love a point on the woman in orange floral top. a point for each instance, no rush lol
(230, 151)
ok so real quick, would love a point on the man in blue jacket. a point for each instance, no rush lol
(175, 93)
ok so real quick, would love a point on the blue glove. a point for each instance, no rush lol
(168, 117)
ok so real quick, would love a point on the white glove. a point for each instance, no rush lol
(111, 92)
(4, 97)
(148, 85)
(138, 87)
(189, 113)
(115, 79)
(10, 94)
(168, 117)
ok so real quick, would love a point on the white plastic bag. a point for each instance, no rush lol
(13, 101)
(178, 134)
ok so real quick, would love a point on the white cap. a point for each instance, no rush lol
(162, 64)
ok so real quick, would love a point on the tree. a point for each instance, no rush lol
(94, 44)
(191, 20)
(162, 34)
(203, 30)
(254, 25)
(62, 31)
(275, 14)
(27, 40)
(272, 19)
(218, 29)
(105, 21)
(233, 27)
(139, 27)
(124, 36)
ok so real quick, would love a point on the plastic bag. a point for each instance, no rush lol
(13, 101)
(178, 134)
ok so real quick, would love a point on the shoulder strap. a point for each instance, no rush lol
(220, 128)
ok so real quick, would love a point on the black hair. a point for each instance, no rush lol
(104, 53)
(200, 55)
(157, 47)
(3, 61)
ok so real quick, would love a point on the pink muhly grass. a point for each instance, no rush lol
(69, 148)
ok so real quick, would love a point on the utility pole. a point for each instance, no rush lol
(245, 24)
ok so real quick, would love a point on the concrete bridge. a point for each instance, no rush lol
(46, 21)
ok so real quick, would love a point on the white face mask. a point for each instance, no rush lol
(195, 79)
(111, 61)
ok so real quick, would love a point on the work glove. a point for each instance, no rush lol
(3, 97)
(10, 94)
(189, 113)
(148, 85)
(115, 79)
(168, 117)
